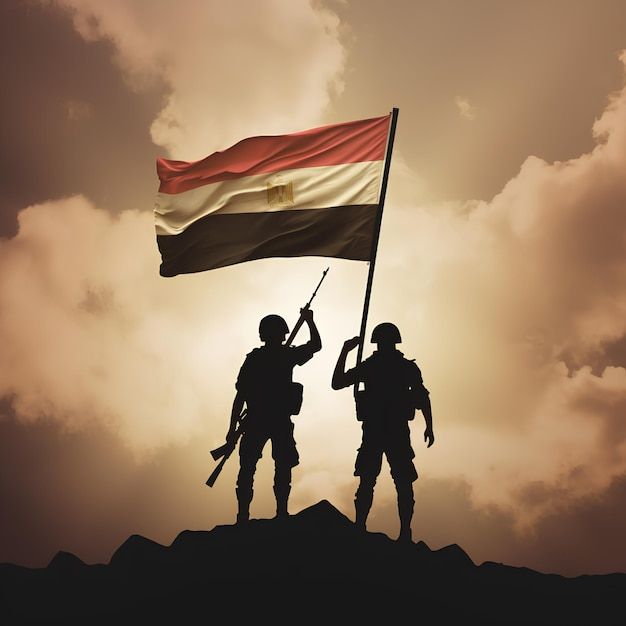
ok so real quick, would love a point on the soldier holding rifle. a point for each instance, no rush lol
(265, 386)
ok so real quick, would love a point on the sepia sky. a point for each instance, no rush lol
(501, 259)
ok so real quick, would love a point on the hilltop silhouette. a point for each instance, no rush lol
(312, 566)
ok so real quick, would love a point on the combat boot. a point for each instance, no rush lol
(282, 500)
(361, 517)
(363, 502)
(406, 504)
(281, 510)
(282, 489)
(244, 497)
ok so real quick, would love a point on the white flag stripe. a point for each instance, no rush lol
(303, 188)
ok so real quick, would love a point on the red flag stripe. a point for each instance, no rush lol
(348, 142)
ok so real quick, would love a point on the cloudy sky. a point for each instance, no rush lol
(501, 259)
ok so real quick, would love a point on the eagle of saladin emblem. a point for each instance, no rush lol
(280, 192)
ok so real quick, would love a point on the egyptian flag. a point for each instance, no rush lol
(310, 193)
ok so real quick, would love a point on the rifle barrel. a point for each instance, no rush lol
(300, 321)
(318, 285)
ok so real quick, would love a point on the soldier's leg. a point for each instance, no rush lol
(363, 500)
(286, 457)
(367, 467)
(400, 455)
(282, 489)
(406, 503)
(250, 450)
(244, 490)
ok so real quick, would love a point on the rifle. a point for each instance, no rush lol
(225, 450)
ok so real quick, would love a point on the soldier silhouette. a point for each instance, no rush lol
(393, 391)
(266, 386)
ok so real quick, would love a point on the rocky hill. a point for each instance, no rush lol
(312, 567)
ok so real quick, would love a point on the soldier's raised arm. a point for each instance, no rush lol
(341, 378)
(315, 342)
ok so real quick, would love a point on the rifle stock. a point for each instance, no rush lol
(225, 450)
(216, 472)
(218, 452)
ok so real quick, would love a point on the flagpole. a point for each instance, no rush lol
(377, 225)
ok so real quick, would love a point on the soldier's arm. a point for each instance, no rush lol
(429, 436)
(235, 414)
(422, 398)
(315, 342)
(341, 378)
(303, 353)
(240, 398)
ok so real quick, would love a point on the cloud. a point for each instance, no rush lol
(574, 539)
(231, 69)
(466, 110)
(510, 303)
(77, 110)
(90, 340)
(507, 305)
(108, 347)
(91, 332)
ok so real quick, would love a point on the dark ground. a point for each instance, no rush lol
(312, 567)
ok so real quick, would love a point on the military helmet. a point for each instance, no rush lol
(386, 332)
(272, 326)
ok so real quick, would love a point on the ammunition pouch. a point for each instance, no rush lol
(362, 405)
(296, 391)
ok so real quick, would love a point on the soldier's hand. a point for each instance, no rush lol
(351, 344)
(307, 314)
(429, 437)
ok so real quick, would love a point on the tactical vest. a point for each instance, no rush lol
(267, 385)
(389, 393)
